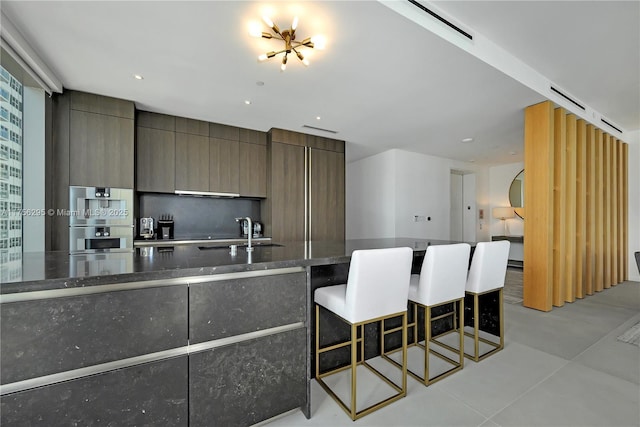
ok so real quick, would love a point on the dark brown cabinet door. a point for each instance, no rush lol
(326, 195)
(155, 161)
(287, 202)
(192, 162)
(100, 150)
(253, 170)
(224, 158)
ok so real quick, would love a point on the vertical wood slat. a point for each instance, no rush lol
(621, 197)
(625, 209)
(599, 218)
(538, 248)
(614, 212)
(606, 185)
(559, 207)
(581, 208)
(590, 210)
(569, 222)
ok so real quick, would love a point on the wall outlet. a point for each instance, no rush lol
(419, 218)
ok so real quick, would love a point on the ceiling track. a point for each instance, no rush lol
(568, 98)
(441, 19)
(610, 125)
(320, 129)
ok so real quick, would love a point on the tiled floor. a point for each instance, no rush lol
(562, 368)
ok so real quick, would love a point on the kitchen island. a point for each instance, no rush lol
(182, 335)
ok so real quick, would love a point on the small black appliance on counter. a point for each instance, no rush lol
(165, 227)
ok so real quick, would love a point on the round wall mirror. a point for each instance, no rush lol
(516, 194)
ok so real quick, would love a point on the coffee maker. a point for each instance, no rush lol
(146, 228)
(257, 229)
(165, 227)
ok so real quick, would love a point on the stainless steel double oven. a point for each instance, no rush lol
(100, 220)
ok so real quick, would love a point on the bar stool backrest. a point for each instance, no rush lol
(444, 273)
(378, 283)
(488, 266)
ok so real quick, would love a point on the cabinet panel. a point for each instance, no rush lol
(326, 193)
(253, 136)
(217, 130)
(155, 160)
(223, 165)
(288, 137)
(192, 162)
(196, 127)
(100, 150)
(153, 394)
(155, 121)
(99, 104)
(253, 170)
(287, 192)
(248, 382)
(233, 307)
(42, 337)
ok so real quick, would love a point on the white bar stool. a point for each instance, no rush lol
(376, 289)
(441, 281)
(487, 274)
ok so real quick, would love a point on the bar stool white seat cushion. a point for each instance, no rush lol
(443, 275)
(488, 266)
(377, 285)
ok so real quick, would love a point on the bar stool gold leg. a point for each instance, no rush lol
(476, 327)
(461, 331)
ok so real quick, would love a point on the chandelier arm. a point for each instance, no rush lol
(300, 44)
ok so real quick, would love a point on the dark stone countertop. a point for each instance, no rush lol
(59, 270)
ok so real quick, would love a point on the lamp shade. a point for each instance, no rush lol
(503, 213)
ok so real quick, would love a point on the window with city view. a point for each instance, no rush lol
(11, 131)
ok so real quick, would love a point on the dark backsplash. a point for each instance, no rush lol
(199, 217)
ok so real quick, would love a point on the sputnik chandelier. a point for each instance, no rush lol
(290, 42)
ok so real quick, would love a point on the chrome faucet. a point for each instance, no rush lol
(249, 231)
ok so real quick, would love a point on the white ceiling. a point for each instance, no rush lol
(382, 82)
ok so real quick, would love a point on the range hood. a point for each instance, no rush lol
(206, 194)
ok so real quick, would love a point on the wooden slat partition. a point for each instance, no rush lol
(538, 227)
(559, 206)
(581, 209)
(606, 186)
(599, 277)
(577, 217)
(569, 221)
(613, 230)
(621, 228)
(590, 210)
(625, 204)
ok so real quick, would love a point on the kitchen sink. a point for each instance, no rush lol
(240, 245)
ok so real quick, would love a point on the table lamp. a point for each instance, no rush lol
(503, 214)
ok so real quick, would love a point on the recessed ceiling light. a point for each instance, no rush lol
(317, 117)
(247, 102)
(259, 83)
(467, 140)
(138, 77)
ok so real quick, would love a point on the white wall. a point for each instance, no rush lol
(456, 202)
(384, 192)
(370, 197)
(33, 172)
(469, 210)
(634, 202)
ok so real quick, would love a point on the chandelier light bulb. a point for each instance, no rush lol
(305, 61)
(255, 30)
(262, 57)
(267, 21)
(294, 25)
(319, 42)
